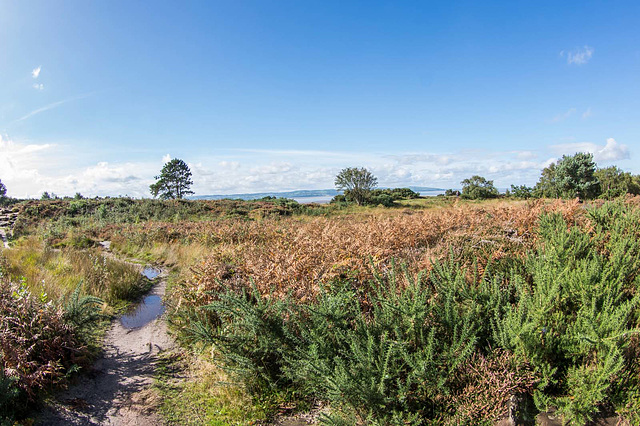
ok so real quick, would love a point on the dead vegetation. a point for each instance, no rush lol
(298, 256)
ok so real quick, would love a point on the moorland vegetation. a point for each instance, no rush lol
(440, 310)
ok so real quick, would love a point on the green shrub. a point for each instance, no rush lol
(390, 354)
(380, 199)
(521, 191)
(559, 327)
(252, 337)
(82, 311)
(573, 321)
(11, 399)
(478, 188)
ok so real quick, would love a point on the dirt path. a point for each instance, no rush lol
(116, 390)
(3, 237)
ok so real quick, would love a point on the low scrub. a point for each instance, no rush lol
(554, 322)
(396, 351)
(281, 256)
(40, 347)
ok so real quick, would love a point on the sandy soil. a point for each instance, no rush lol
(117, 389)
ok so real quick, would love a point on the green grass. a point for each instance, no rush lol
(205, 397)
(56, 273)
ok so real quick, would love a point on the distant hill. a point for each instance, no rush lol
(303, 193)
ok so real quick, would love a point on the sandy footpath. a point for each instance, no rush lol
(3, 238)
(116, 389)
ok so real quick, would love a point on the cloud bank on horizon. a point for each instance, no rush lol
(30, 169)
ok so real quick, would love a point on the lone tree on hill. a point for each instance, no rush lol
(478, 188)
(356, 183)
(3, 190)
(174, 181)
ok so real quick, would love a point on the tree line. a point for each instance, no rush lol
(572, 176)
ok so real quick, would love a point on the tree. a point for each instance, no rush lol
(576, 176)
(3, 190)
(478, 188)
(356, 183)
(614, 182)
(174, 181)
(546, 186)
(572, 176)
(521, 191)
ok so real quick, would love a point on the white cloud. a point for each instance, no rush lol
(38, 86)
(36, 72)
(294, 152)
(28, 169)
(233, 165)
(579, 56)
(441, 159)
(273, 168)
(20, 165)
(587, 114)
(166, 158)
(561, 117)
(525, 155)
(611, 151)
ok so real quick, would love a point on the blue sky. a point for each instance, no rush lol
(280, 95)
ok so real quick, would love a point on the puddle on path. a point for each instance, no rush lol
(150, 308)
(150, 272)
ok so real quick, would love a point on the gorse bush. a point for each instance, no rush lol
(556, 324)
(388, 354)
(395, 353)
(83, 311)
(574, 323)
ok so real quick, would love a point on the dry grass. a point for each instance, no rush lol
(56, 273)
(300, 254)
